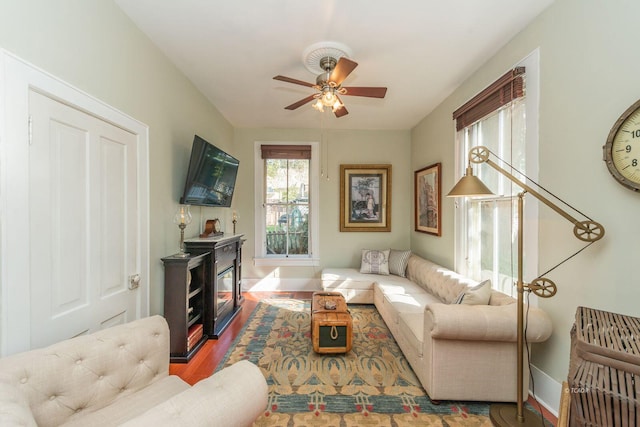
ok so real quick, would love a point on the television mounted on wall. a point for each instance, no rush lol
(211, 177)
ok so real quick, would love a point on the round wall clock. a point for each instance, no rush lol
(622, 150)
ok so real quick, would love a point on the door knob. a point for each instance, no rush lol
(134, 281)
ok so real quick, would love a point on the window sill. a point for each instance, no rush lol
(286, 262)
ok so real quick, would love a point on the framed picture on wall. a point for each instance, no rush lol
(365, 197)
(428, 200)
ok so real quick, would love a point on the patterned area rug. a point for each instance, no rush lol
(372, 385)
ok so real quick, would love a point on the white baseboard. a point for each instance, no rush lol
(281, 284)
(547, 390)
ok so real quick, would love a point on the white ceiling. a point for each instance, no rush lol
(420, 49)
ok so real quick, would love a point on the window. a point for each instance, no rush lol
(287, 206)
(286, 192)
(486, 229)
(489, 223)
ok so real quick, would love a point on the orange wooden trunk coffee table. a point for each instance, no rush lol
(331, 323)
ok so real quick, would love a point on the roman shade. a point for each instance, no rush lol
(501, 92)
(286, 151)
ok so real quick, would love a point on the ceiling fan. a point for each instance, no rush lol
(329, 86)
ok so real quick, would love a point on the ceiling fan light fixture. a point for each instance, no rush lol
(328, 97)
(322, 102)
(318, 105)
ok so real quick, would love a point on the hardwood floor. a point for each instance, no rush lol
(210, 355)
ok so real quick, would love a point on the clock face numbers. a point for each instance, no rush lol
(625, 151)
(622, 150)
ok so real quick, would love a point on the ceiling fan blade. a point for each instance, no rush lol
(371, 92)
(343, 68)
(300, 103)
(342, 111)
(294, 81)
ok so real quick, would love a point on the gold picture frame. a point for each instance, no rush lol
(365, 197)
(428, 200)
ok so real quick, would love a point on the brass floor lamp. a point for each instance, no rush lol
(587, 231)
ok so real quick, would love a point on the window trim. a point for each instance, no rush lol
(260, 257)
(531, 218)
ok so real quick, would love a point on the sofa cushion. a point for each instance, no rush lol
(346, 277)
(132, 405)
(398, 285)
(412, 325)
(356, 287)
(398, 261)
(477, 295)
(405, 303)
(375, 261)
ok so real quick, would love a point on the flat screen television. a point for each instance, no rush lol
(211, 177)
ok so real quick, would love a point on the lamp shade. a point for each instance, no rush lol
(469, 186)
(183, 215)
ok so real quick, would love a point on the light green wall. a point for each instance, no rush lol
(93, 46)
(337, 249)
(432, 142)
(589, 69)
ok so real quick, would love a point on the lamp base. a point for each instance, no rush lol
(505, 414)
(182, 255)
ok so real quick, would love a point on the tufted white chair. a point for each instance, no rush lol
(121, 375)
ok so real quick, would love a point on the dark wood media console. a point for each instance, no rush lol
(186, 280)
(223, 298)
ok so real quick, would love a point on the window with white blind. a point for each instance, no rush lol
(286, 189)
(502, 118)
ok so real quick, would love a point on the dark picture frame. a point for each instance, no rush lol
(428, 200)
(365, 197)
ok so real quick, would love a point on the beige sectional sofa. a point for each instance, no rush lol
(458, 351)
(120, 376)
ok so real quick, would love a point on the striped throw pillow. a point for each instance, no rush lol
(398, 261)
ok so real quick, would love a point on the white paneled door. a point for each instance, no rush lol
(83, 222)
